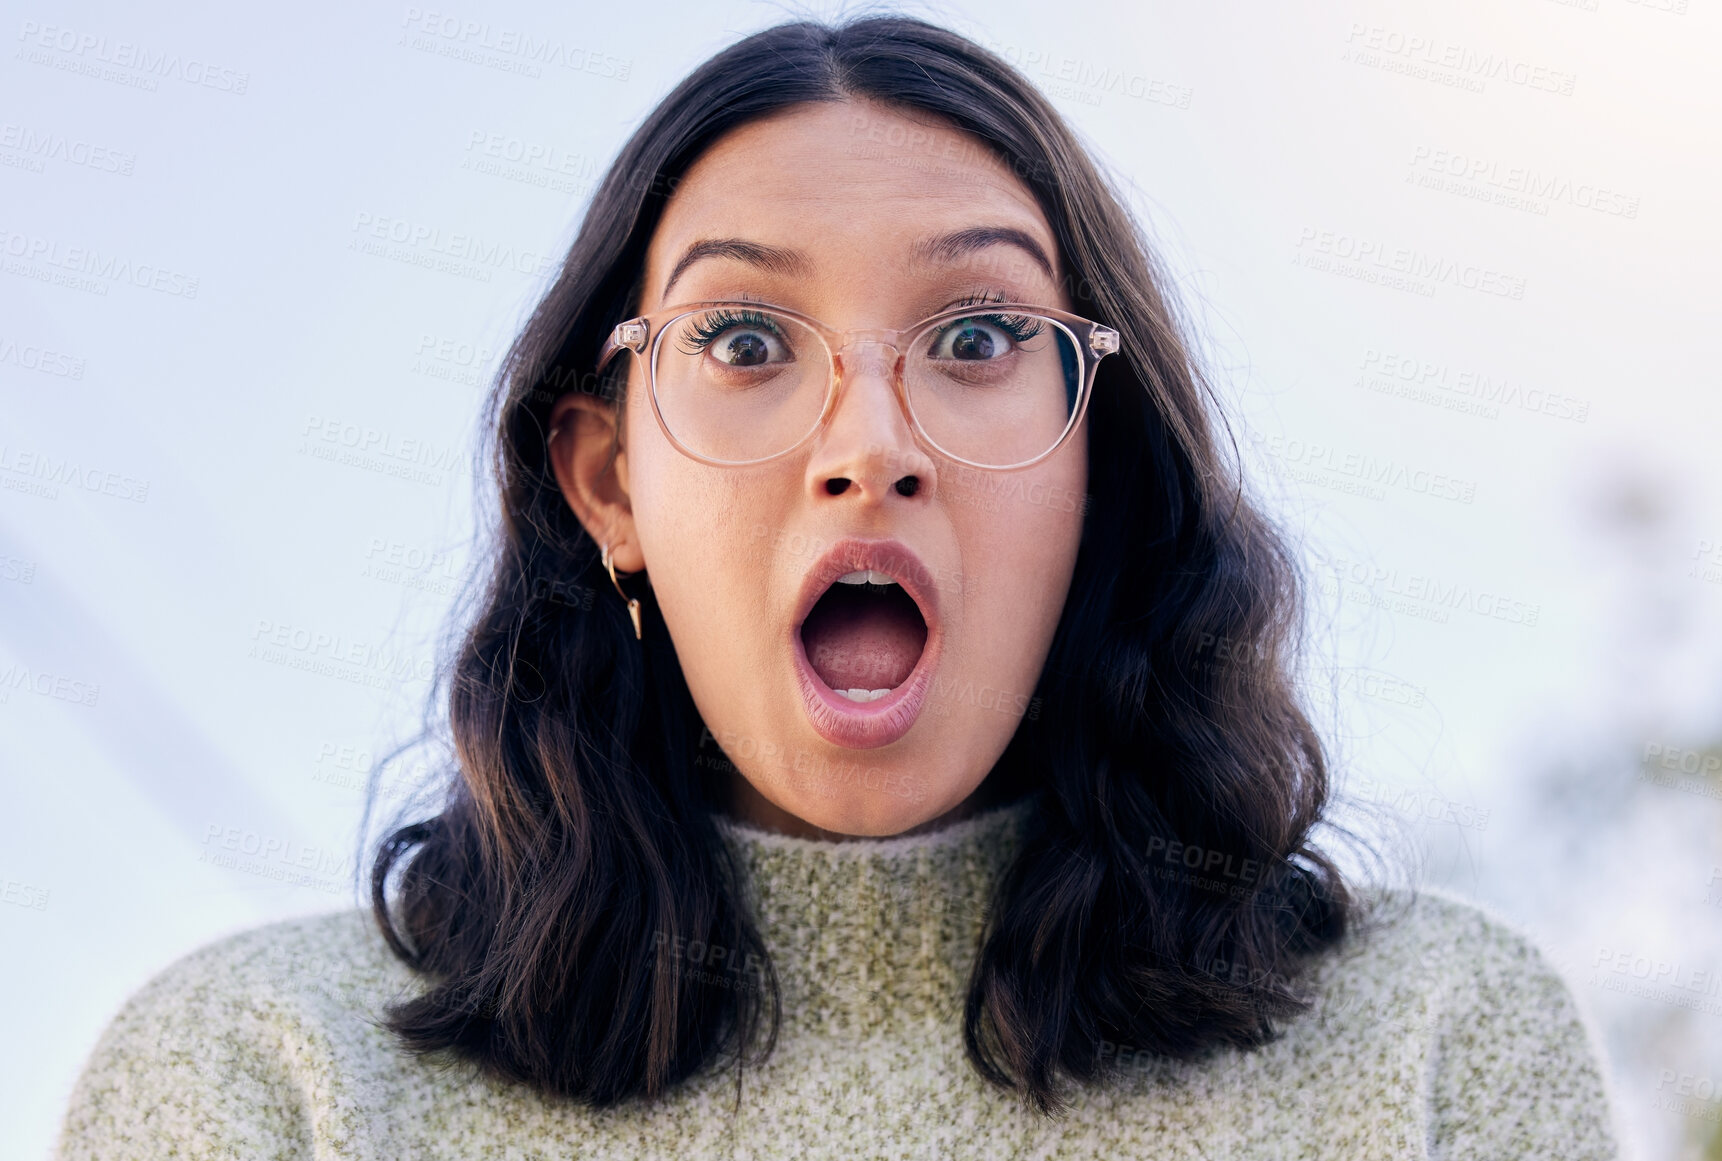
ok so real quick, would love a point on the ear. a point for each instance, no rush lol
(592, 471)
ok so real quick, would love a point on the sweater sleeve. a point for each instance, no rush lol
(1517, 1075)
(188, 1069)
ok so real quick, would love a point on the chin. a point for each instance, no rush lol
(865, 813)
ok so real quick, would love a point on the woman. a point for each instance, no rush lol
(880, 704)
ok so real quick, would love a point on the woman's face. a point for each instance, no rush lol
(860, 217)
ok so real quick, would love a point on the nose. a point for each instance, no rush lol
(867, 449)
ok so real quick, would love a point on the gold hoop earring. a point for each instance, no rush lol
(633, 602)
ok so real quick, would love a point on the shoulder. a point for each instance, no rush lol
(1440, 962)
(322, 964)
(1453, 953)
(1506, 1056)
(340, 952)
(208, 1050)
(1440, 938)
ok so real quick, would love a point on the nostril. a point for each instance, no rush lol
(908, 485)
(836, 486)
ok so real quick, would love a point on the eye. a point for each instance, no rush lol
(984, 338)
(737, 338)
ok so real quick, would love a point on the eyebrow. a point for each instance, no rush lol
(768, 258)
(959, 244)
(937, 249)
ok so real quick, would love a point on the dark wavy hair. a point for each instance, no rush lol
(575, 835)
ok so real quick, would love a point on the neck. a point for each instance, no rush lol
(873, 935)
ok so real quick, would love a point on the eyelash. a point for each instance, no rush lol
(710, 326)
(1017, 326)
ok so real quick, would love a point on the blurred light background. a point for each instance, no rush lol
(1455, 267)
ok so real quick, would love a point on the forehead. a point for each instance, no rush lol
(852, 185)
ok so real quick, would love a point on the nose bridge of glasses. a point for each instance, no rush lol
(863, 352)
(871, 356)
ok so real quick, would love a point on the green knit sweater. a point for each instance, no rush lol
(1441, 1034)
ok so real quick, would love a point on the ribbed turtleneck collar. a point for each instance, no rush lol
(872, 936)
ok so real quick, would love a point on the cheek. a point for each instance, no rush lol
(701, 530)
(1021, 532)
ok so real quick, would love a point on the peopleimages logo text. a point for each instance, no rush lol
(46, 146)
(1365, 468)
(1431, 52)
(1521, 179)
(464, 247)
(87, 260)
(1409, 262)
(536, 50)
(124, 54)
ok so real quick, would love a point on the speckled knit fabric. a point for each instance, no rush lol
(1441, 1034)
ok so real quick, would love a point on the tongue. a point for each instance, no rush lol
(863, 642)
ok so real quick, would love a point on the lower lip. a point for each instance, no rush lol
(865, 725)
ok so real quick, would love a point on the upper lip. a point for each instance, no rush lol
(889, 556)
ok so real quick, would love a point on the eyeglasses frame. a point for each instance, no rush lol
(643, 334)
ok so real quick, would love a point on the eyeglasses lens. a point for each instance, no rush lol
(738, 383)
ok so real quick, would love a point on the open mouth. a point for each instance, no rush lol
(866, 642)
(864, 636)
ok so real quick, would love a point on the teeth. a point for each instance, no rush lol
(863, 694)
(867, 576)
